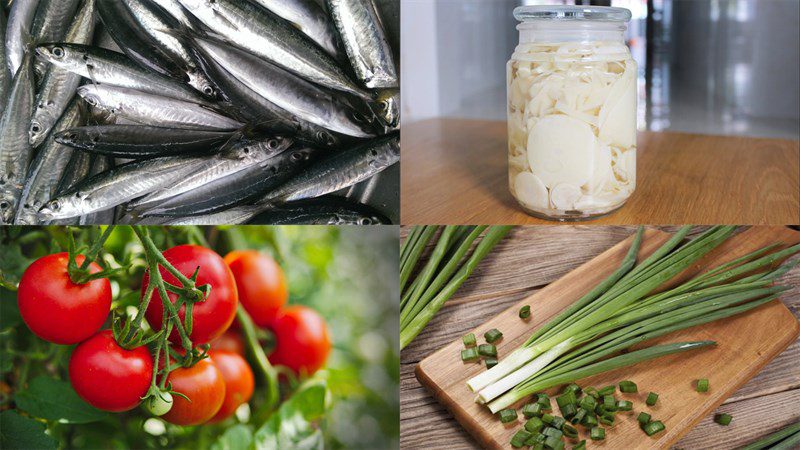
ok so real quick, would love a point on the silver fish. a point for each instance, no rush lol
(5, 76)
(174, 8)
(47, 170)
(51, 22)
(59, 86)
(264, 34)
(326, 210)
(107, 216)
(388, 103)
(232, 216)
(309, 17)
(365, 42)
(287, 91)
(115, 69)
(18, 31)
(149, 109)
(15, 149)
(339, 170)
(119, 185)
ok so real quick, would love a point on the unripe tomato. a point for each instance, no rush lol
(205, 387)
(230, 341)
(260, 282)
(159, 404)
(58, 310)
(302, 342)
(239, 382)
(108, 376)
(212, 316)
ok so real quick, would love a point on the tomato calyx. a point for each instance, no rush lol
(81, 274)
(158, 401)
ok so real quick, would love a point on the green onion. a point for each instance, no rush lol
(608, 390)
(525, 312)
(532, 439)
(702, 385)
(589, 421)
(723, 419)
(469, 340)
(490, 362)
(534, 425)
(580, 445)
(548, 418)
(607, 419)
(519, 438)
(537, 409)
(574, 388)
(544, 399)
(578, 417)
(652, 398)
(554, 442)
(624, 405)
(597, 433)
(628, 387)
(487, 350)
(470, 354)
(654, 427)
(643, 418)
(554, 432)
(529, 410)
(784, 439)
(558, 422)
(588, 403)
(568, 410)
(493, 335)
(567, 398)
(508, 415)
(569, 431)
(609, 403)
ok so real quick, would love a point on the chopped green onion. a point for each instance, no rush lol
(470, 354)
(548, 418)
(532, 439)
(570, 431)
(588, 403)
(508, 415)
(567, 398)
(654, 427)
(538, 446)
(490, 362)
(529, 410)
(607, 419)
(536, 409)
(558, 422)
(589, 421)
(525, 312)
(519, 438)
(534, 425)
(569, 410)
(624, 405)
(652, 398)
(578, 416)
(580, 445)
(597, 433)
(702, 385)
(554, 432)
(643, 418)
(544, 400)
(723, 419)
(573, 388)
(608, 390)
(493, 335)
(628, 387)
(469, 340)
(554, 442)
(487, 350)
(591, 391)
(609, 403)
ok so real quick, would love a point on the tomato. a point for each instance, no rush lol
(261, 284)
(211, 317)
(58, 310)
(302, 340)
(204, 385)
(108, 376)
(230, 341)
(239, 382)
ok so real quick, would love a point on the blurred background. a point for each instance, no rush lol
(729, 67)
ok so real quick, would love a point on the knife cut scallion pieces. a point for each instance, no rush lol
(530, 410)
(490, 362)
(723, 419)
(469, 340)
(487, 350)
(652, 398)
(608, 390)
(519, 438)
(493, 335)
(470, 354)
(628, 387)
(569, 431)
(654, 427)
(643, 418)
(580, 445)
(534, 425)
(702, 385)
(525, 312)
(624, 405)
(554, 432)
(597, 433)
(508, 415)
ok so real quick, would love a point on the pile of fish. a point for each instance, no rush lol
(193, 111)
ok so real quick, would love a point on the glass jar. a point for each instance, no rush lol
(571, 112)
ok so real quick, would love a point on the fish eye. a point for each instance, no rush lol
(365, 221)
(4, 205)
(373, 153)
(384, 105)
(208, 90)
(272, 144)
(91, 100)
(297, 156)
(58, 52)
(35, 127)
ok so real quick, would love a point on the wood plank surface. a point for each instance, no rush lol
(455, 172)
(426, 424)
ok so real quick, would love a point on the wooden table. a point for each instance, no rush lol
(455, 171)
(537, 256)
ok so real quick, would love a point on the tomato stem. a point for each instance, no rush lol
(269, 374)
(82, 275)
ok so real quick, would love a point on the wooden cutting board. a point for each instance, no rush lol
(745, 344)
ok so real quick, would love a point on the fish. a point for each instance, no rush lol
(18, 30)
(287, 91)
(339, 170)
(149, 109)
(142, 141)
(174, 8)
(234, 190)
(388, 102)
(261, 32)
(309, 17)
(119, 185)
(5, 75)
(47, 169)
(50, 24)
(326, 210)
(58, 86)
(15, 149)
(365, 42)
(103, 66)
(107, 216)
(231, 216)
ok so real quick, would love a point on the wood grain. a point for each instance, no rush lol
(455, 172)
(426, 424)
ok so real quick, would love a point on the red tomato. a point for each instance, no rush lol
(302, 340)
(210, 317)
(108, 376)
(238, 382)
(204, 385)
(55, 308)
(260, 282)
(230, 341)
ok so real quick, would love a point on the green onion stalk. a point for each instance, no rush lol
(623, 311)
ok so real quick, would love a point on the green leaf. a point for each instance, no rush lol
(53, 399)
(237, 437)
(9, 312)
(18, 432)
(294, 425)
